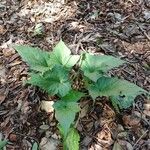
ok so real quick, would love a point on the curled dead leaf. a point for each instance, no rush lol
(47, 106)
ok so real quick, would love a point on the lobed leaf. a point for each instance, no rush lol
(62, 55)
(55, 81)
(114, 87)
(94, 66)
(35, 57)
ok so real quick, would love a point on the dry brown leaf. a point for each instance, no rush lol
(147, 108)
(13, 137)
(2, 73)
(104, 137)
(147, 112)
(139, 47)
(131, 121)
(2, 29)
(49, 144)
(8, 52)
(84, 111)
(47, 106)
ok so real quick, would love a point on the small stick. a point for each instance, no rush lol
(140, 138)
(147, 36)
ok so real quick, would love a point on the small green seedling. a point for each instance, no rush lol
(56, 73)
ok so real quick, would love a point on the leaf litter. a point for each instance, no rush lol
(118, 28)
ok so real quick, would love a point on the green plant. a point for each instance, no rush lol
(58, 71)
(3, 143)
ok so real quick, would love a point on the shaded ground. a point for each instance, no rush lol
(119, 28)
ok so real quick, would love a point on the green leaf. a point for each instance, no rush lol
(55, 81)
(65, 114)
(95, 65)
(62, 55)
(122, 102)
(72, 140)
(35, 57)
(117, 146)
(72, 96)
(35, 146)
(3, 143)
(107, 86)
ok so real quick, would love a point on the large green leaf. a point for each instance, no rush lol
(65, 114)
(94, 66)
(68, 105)
(35, 57)
(72, 140)
(107, 86)
(55, 81)
(62, 55)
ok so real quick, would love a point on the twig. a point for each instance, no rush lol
(147, 36)
(140, 138)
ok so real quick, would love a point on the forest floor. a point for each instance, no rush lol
(119, 28)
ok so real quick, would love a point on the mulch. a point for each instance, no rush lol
(119, 28)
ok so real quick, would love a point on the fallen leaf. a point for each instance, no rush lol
(117, 146)
(2, 73)
(13, 137)
(131, 120)
(84, 111)
(2, 97)
(49, 144)
(95, 147)
(147, 108)
(3, 94)
(125, 144)
(2, 29)
(122, 135)
(86, 141)
(147, 112)
(8, 52)
(146, 14)
(44, 127)
(47, 106)
(104, 137)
